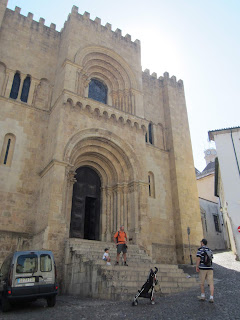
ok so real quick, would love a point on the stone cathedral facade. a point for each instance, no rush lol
(89, 141)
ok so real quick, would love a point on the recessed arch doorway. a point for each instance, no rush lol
(85, 213)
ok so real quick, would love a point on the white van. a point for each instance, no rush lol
(28, 276)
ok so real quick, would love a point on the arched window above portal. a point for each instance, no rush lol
(98, 91)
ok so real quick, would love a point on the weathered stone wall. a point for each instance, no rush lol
(13, 241)
(60, 129)
(29, 46)
(19, 182)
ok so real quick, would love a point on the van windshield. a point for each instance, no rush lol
(27, 263)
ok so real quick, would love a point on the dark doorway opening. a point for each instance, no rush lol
(90, 218)
(85, 215)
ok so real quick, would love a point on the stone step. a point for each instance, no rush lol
(135, 259)
(142, 267)
(143, 278)
(97, 255)
(99, 244)
(112, 253)
(119, 282)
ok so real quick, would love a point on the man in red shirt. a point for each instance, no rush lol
(120, 238)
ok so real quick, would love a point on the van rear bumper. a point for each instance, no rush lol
(32, 296)
(33, 292)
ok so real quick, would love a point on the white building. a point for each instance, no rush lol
(213, 225)
(227, 180)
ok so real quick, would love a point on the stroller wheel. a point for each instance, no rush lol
(134, 303)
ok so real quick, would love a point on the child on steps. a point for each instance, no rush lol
(106, 256)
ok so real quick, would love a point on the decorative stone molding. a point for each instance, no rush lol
(51, 164)
(91, 106)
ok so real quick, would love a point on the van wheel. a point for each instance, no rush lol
(51, 301)
(5, 304)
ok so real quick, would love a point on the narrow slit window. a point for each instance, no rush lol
(216, 223)
(146, 137)
(151, 185)
(150, 133)
(15, 86)
(25, 89)
(7, 151)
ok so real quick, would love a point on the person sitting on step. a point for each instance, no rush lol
(106, 256)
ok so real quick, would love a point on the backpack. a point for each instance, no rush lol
(207, 258)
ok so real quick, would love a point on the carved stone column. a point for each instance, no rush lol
(136, 210)
(32, 91)
(133, 103)
(108, 214)
(5, 83)
(118, 205)
(112, 213)
(103, 222)
(125, 207)
(22, 78)
(121, 206)
(114, 210)
(70, 174)
(120, 100)
(9, 81)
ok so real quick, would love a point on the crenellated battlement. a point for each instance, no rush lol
(162, 80)
(96, 23)
(27, 21)
(85, 18)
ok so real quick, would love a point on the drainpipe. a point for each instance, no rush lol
(235, 153)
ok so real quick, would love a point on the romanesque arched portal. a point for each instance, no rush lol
(106, 156)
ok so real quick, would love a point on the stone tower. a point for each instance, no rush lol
(89, 141)
(210, 155)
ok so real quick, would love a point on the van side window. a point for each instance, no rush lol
(6, 267)
(45, 263)
(27, 263)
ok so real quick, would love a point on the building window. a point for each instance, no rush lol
(97, 91)
(25, 89)
(216, 223)
(7, 150)
(15, 86)
(204, 220)
(151, 185)
(149, 134)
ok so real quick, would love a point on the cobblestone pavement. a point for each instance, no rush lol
(178, 306)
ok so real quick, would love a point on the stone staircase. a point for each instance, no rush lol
(86, 274)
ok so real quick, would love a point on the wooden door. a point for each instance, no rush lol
(85, 215)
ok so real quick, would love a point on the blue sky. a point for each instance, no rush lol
(197, 41)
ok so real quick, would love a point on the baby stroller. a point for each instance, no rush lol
(147, 289)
